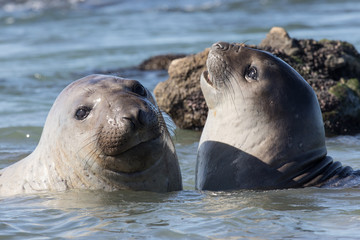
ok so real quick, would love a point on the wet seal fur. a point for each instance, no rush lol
(102, 132)
(264, 128)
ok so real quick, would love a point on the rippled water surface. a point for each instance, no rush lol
(45, 45)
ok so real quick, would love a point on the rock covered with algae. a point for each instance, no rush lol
(331, 67)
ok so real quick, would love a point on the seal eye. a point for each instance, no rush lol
(82, 113)
(251, 73)
(139, 89)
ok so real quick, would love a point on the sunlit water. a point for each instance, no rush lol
(44, 45)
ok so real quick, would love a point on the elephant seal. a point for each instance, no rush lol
(102, 132)
(264, 128)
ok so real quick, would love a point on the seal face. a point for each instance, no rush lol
(264, 128)
(103, 132)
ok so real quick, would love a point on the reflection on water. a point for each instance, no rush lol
(192, 214)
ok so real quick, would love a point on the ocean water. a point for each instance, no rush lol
(46, 44)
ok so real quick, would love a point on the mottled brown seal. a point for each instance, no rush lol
(103, 132)
(264, 128)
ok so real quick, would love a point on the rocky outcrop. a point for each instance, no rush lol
(160, 62)
(180, 96)
(332, 68)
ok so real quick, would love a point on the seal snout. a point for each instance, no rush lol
(221, 46)
(224, 46)
(135, 118)
(130, 124)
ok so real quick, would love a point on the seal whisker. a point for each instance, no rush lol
(108, 102)
(166, 123)
(92, 155)
(93, 140)
(231, 88)
(89, 141)
(89, 90)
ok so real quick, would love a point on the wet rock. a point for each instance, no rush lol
(331, 67)
(279, 39)
(180, 96)
(160, 62)
(345, 117)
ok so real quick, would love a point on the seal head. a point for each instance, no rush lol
(264, 128)
(103, 132)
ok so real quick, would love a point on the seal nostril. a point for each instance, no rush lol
(221, 45)
(131, 121)
(218, 46)
(136, 118)
(142, 117)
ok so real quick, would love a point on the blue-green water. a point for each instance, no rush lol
(44, 45)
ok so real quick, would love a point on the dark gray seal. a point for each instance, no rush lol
(264, 128)
(103, 132)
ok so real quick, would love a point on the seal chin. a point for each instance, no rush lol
(136, 159)
(134, 147)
